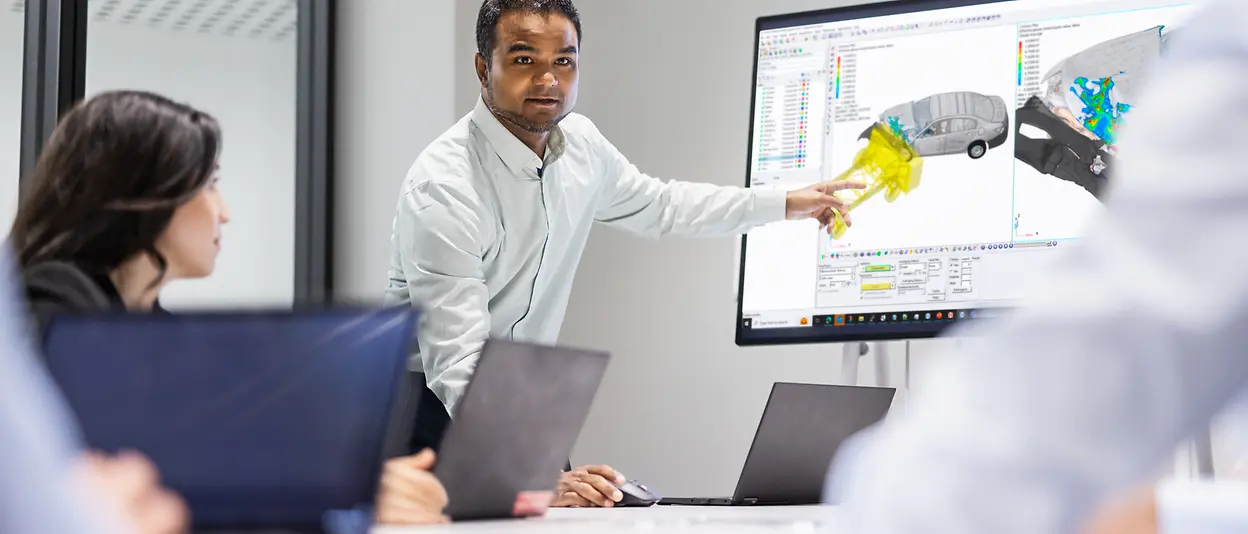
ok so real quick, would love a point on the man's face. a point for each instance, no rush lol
(532, 76)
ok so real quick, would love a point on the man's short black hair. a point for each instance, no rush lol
(493, 10)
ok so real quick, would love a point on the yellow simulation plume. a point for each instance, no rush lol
(888, 164)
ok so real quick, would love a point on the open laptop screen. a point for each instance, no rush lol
(515, 428)
(256, 418)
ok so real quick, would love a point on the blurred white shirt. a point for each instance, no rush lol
(1134, 341)
(39, 493)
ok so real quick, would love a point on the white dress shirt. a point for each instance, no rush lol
(38, 441)
(1200, 507)
(1128, 346)
(488, 235)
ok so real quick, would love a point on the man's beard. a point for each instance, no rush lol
(520, 120)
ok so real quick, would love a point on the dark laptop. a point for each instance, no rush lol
(260, 420)
(514, 429)
(801, 429)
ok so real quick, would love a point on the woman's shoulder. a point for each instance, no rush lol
(65, 285)
(54, 288)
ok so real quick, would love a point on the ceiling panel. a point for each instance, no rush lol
(253, 19)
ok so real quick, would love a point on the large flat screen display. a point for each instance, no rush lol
(987, 132)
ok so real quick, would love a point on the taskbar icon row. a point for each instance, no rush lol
(978, 247)
(902, 317)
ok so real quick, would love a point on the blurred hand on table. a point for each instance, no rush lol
(409, 493)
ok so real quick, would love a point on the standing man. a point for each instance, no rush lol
(494, 215)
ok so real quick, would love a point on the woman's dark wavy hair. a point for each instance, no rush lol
(110, 178)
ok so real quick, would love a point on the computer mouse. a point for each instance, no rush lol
(636, 494)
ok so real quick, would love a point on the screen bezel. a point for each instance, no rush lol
(817, 334)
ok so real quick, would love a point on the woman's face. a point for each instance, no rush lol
(193, 238)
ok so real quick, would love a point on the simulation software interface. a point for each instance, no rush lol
(1008, 115)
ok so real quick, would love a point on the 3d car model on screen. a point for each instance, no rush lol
(1081, 108)
(949, 123)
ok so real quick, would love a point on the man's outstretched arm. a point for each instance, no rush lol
(651, 207)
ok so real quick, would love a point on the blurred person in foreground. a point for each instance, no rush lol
(126, 199)
(49, 485)
(1054, 418)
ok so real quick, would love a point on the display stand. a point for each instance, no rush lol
(853, 352)
(1202, 450)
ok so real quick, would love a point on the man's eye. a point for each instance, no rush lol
(563, 61)
(524, 60)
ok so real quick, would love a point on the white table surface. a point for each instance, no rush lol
(655, 519)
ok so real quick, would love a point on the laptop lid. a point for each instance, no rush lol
(514, 429)
(802, 427)
(258, 419)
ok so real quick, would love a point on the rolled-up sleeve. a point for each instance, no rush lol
(441, 249)
(648, 206)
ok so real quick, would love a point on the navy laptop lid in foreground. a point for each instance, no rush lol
(258, 419)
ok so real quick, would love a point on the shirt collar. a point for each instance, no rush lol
(518, 157)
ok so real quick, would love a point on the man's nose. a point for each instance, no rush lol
(547, 79)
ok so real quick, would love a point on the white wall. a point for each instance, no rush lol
(12, 31)
(249, 86)
(468, 89)
(395, 92)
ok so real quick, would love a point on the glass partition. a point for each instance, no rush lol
(237, 60)
(12, 32)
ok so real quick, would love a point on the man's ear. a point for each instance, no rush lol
(483, 69)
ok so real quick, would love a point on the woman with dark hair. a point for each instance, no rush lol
(123, 200)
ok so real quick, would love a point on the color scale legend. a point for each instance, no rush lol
(1020, 63)
(838, 75)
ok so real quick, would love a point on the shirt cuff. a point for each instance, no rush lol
(1202, 507)
(770, 205)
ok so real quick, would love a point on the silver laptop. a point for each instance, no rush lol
(514, 429)
(798, 436)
